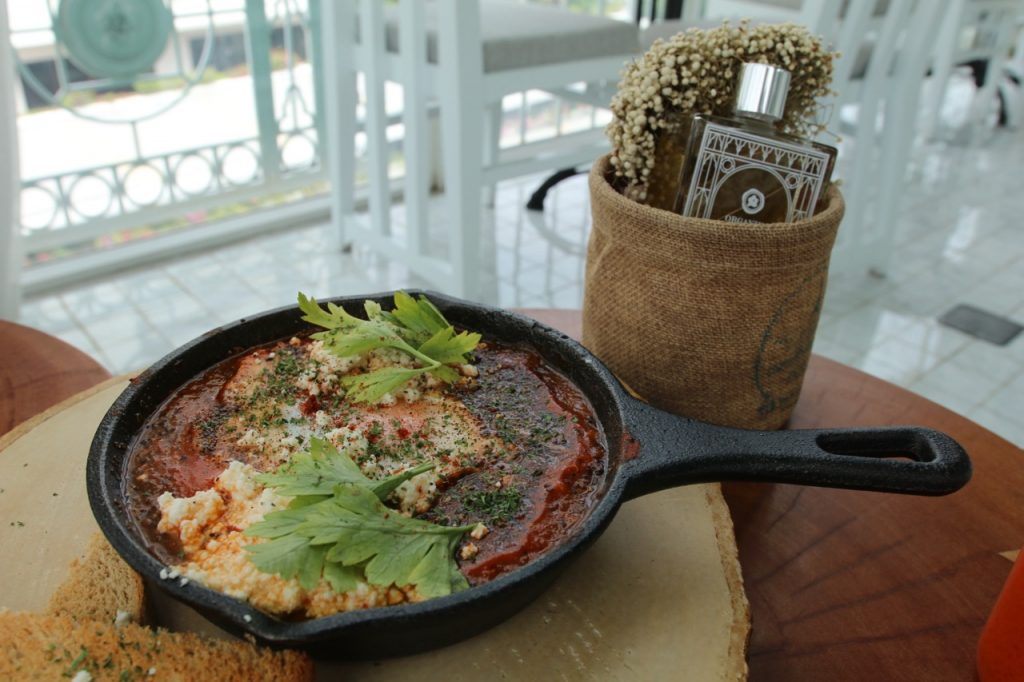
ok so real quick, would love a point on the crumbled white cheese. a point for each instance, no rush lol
(416, 495)
(251, 437)
(82, 676)
(322, 420)
(237, 479)
(479, 531)
(189, 516)
(123, 617)
(332, 362)
(174, 510)
(349, 440)
(389, 357)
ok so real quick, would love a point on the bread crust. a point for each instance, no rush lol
(37, 646)
(100, 587)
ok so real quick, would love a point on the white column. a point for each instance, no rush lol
(416, 143)
(462, 108)
(10, 250)
(372, 39)
(336, 22)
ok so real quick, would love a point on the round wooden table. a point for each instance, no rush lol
(38, 371)
(843, 585)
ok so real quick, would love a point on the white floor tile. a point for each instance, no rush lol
(149, 286)
(118, 327)
(80, 340)
(88, 303)
(186, 330)
(1009, 399)
(173, 310)
(1010, 429)
(135, 353)
(952, 379)
(909, 360)
(991, 361)
(46, 313)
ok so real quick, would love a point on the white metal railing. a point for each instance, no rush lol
(110, 157)
(204, 162)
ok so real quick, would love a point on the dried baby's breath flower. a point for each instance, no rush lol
(695, 72)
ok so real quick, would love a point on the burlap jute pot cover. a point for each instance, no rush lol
(703, 318)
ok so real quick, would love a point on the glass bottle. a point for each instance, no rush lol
(742, 169)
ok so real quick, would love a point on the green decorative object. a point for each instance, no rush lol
(119, 43)
(116, 39)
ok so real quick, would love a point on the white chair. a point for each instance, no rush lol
(978, 31)
(711, 13)
(886, 49)
(10, 254)
(462, 57)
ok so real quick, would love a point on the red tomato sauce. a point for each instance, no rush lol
(531, 493)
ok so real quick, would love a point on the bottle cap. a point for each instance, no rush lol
(761, 92)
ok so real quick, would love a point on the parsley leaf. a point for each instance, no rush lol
(372, 386)
(315, 473)
(333, 318)
(415, 327)
(366, 336)
(393, 549)
(347, 535)
(290, 556)
(421, 318)
(447, 347)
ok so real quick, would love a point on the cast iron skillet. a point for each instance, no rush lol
(648, 450)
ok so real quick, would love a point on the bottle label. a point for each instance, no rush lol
(743, 177)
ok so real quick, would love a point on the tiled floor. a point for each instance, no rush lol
(959, 240)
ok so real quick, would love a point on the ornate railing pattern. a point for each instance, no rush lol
(281, 44)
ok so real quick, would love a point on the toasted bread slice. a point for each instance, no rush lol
(101, 587)
(36, 646)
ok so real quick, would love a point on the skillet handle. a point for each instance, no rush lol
(677, 451)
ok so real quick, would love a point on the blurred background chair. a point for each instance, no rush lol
(455, 61)
(454, 67)
(886, 49)
(663, 18)
(979, 35)
(10, 259)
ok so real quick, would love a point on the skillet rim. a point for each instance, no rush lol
(108, 453)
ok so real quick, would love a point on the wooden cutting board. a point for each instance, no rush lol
(658, 596)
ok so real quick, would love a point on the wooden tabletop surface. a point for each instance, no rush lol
(843, 585)
(38, 371)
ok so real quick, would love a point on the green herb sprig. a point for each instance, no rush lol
(415, 327)
(337, 528)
